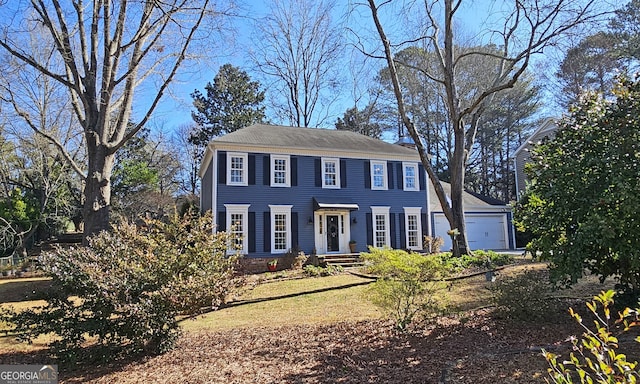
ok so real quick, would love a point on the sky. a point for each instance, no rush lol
(176, 107)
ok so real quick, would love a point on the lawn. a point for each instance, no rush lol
(323, 330)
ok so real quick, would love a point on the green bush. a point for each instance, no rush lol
(487, 259)
(123, 293)
(595, 357)
(525, 297)
(408, 283)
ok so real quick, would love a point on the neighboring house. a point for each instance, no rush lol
(521, 155)
(489, 222)
(279, 188)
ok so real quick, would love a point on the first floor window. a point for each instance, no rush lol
(281, 228)
(237, 219)
(381, 233)
(413, 227)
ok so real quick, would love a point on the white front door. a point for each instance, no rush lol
(332, 231)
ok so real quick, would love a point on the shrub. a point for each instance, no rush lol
(329, 270)
(524, 297)
(595, 358)
(407, 283)
(125, 290)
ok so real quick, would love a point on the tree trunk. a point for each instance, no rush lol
(457, 168)
(97, 191)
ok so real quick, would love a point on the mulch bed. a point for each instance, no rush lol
(476, 348)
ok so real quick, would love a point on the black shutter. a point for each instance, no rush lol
(267, 231)
(222, 168)
(318, 172)
(367, 174)
(222, 221)
(343, 174)
(422, 178)
(252, 169)
(425, 227)
(392, 230)
(294, 230)
(266, 170)
(294, 171)
(400, 175)
(369, 229)
(403, 231)
(390, 183)
(252, 232)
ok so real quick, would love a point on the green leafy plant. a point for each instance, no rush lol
(408, 283)
(595, 357)
(122, 294)
(583, 201)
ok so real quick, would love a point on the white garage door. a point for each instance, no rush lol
(483, 231)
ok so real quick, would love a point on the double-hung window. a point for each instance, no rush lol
(380, 225)
(410, 177)
(237, 219)
(280, 228)
(280, 171)
(378, 175)
(237, 168)
(413, 225)
(330, 173)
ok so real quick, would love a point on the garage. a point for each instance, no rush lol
(484, 230)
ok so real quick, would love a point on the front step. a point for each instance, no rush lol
(345, 260)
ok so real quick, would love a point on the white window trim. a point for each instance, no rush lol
(413, 211)
(245, 168)
(373, 163)
(337, 163)
(244, 210)
(287, 182)
(375, 211)
(280, 209)
(415, 175)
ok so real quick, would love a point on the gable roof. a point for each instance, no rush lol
(548, 125)
(277, 136)
(470, 200)
(264, 138)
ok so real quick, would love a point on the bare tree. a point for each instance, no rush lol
(297, 47)
(526, 27)
(104, 52)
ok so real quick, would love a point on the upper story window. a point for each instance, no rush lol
(378, 175)
(237, 168)
(330, 173)
(237, 217)
(411, 181)
(280, 171)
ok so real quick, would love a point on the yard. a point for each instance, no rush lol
(322, 330)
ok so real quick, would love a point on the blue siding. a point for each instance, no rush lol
(206, 197)
(260, 195)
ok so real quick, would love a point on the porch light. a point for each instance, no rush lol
(354, 220)
(310, 220)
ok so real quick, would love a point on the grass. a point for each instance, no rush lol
(319, 300)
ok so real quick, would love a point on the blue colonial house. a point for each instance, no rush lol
(279, 188)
